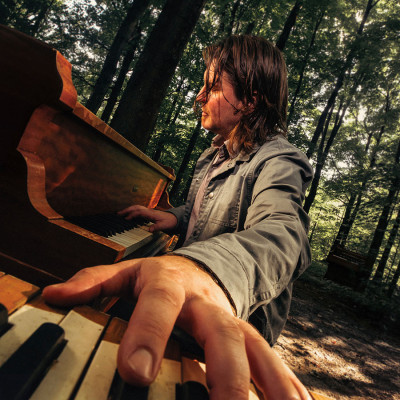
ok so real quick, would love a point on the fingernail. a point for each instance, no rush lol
(141, 362)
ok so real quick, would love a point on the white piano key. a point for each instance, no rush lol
(82, 335)
(163, 386)
(25, 321)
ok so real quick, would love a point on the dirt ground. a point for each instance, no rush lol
(336, 350)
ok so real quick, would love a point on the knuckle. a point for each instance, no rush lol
(237, 390)
(86, 274)
(229, 330)
(165, 295)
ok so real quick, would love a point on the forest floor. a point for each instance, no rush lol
(336, 348)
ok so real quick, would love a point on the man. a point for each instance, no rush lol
(243, 237)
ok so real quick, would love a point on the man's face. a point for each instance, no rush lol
(220, 110)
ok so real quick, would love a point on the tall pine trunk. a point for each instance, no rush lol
(136, 114)
(289, 24)
(118, 45)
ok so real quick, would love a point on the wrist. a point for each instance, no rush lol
(211, 275)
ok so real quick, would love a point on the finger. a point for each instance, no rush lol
(134, 211)
(216, 330)
(268, 371)
(90, 283)
(143, 345)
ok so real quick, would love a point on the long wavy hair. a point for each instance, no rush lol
(257, 71)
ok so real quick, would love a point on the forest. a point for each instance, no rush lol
(138, 65)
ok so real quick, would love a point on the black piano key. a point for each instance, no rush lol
(191, 390)
(3, 318)
(120, 390)
(105, 224)
(22, 371)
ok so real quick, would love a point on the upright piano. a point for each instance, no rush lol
(64, 173)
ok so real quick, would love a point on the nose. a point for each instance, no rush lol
(201, 96)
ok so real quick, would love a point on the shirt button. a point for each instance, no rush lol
(211, 195)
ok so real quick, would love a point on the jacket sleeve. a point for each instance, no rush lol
(179, 213)
(254, 266)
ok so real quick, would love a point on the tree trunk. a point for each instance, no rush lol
(323, 153)
(339, 81)
(304, 65)
(117, 87)
(393, 283)
(351, 214)
(289, 24)
(166, 133)
(343, 229)
(118, 45)
(385, 255)
(383, 220)
(41, 18)
(136, 114)
(185, 160)
(233, 16)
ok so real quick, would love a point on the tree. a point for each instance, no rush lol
(136, 114)
(289, 24)
(383, 219)
(119, 43)
(340, 79)
(389, 244)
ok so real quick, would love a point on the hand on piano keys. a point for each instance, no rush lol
(169, 290)
(162, 220)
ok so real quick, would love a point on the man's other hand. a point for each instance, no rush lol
(163, 221)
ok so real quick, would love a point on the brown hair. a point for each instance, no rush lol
(257, 71)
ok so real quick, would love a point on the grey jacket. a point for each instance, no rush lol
(251, 233)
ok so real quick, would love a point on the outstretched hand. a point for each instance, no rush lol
(174, 290)
(163, 221)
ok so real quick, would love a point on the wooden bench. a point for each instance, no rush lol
(346, 267)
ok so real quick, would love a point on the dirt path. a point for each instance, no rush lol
(335, 350)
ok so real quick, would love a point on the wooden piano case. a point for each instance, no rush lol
(59, 161)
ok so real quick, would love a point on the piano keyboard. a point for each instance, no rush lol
(131, 234)
(76, 359)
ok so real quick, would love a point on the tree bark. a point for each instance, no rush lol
(385, 255)
(233, 16)
(393, 283)
(119, 43)
(136, 114)
(323, 153)
(339, 81)
(117, 87)
(41, 17)
(289, 24)
(166, 133)
(185, 160)
(304, 65)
